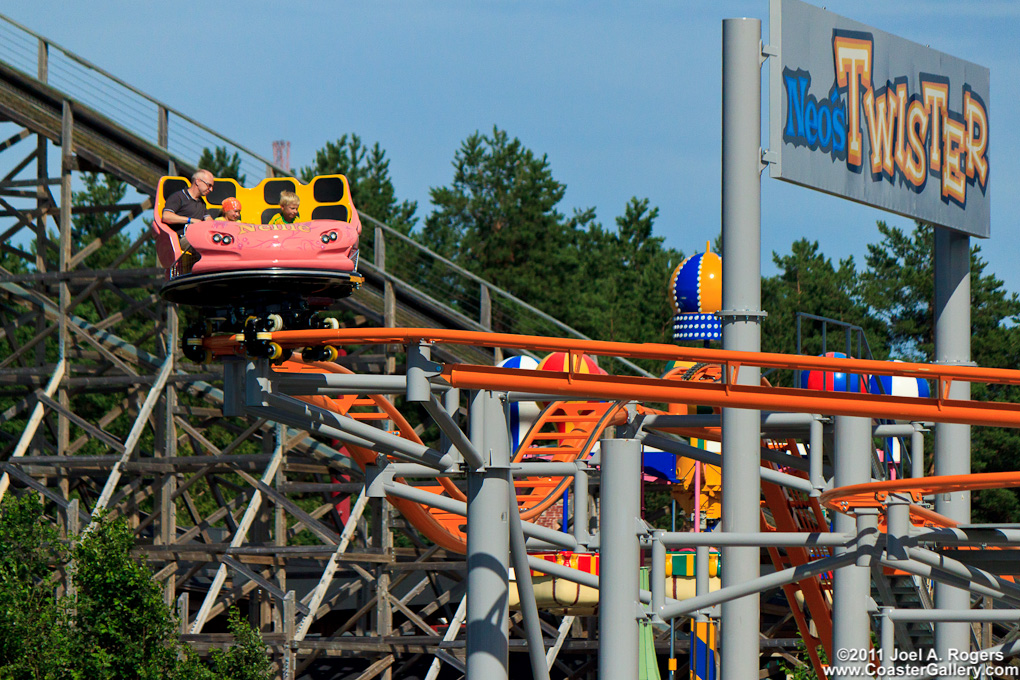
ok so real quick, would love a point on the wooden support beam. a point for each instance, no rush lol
(316, 527)
(263, 583)
(64, 296)
(89, 428)
(32, 483)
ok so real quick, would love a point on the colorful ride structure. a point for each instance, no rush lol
(572, 449)
(541, 506)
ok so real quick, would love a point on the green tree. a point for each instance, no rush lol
(246, 659)
(116, 626)
(626, 297)
(124, 629)
(34, 639)
(899, 285)
(101, 191)
(368, 171)
(221, 163)
(809, 282)
(498, 218)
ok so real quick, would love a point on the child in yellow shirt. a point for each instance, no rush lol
(289, 206)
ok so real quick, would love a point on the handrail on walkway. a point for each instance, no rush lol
(109, 95)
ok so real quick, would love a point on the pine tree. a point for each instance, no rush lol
(221, 163)
(626, 296)
(499, 219)
(809, 283)
(368, 171)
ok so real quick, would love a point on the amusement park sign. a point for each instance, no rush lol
(862, 114)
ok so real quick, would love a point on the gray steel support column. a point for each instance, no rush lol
(952, 442)
(815, 457)
(526, 593)
(888, 638)
(741, 301)
(619, 559)
(488, 540)
(581, 507)
(851, 586)
(917, 451)
(451, 404)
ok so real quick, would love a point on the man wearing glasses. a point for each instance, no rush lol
(186, 206)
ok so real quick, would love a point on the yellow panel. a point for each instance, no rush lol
(253, 202)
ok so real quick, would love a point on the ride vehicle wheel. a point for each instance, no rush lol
(258, 337)
(330, 322)
(274, 351)
(274, 322)
(191, 345)
(320, 353)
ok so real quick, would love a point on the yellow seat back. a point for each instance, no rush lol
(326, 197)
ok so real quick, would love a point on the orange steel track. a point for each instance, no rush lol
(726, 394)
(875, 494)
(585, 422)
(589, 419)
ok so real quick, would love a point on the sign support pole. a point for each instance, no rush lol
(952, 441)
(851, 585)
(741, 330)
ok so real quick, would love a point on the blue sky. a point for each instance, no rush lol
(623, 97)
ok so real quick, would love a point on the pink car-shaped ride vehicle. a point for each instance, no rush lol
(256, 276)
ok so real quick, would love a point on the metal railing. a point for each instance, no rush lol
(851, 335)
(438, 279)
(462, 291)
(134, 110)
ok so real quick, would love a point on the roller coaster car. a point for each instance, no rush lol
(254, 265)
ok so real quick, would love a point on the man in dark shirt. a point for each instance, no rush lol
(184, 207)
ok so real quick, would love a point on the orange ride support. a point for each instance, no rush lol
(535, 494)
(726, 394)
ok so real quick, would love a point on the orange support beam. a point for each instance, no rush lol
(939, 409)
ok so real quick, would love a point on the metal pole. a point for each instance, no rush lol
(488, 539)
(526, 592)
(672, 622)
(815, 458)
(888, 638)
(451, 404)
(657, 572)
(619, 559)
(952, 442)
(581, 506)
(741, 317)
(851, 584)
(917, 451)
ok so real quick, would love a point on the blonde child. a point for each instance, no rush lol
(289, 206)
